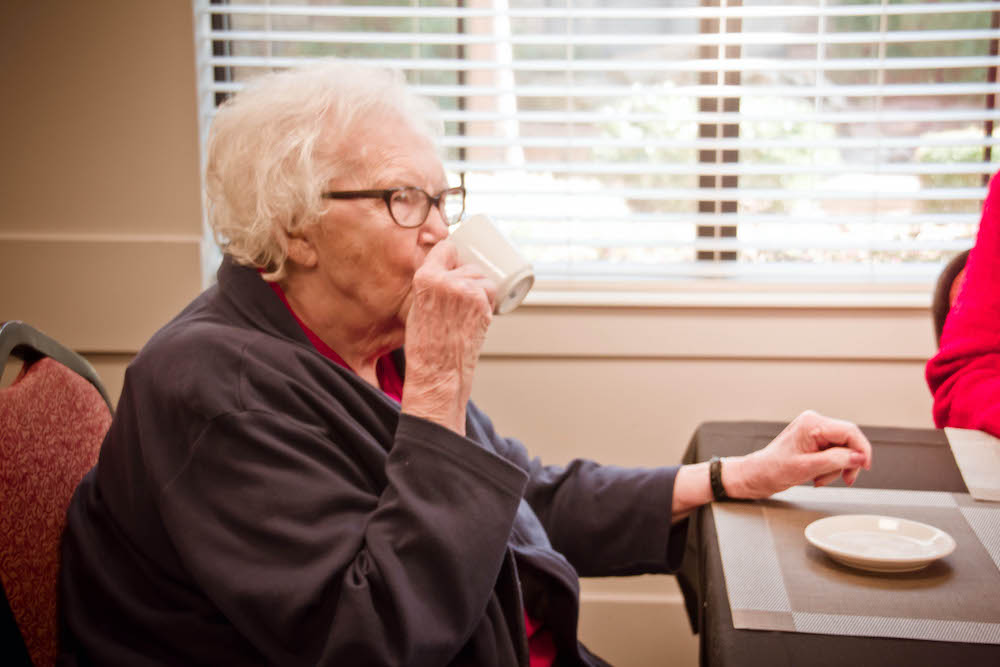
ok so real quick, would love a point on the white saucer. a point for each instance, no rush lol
(879, 543)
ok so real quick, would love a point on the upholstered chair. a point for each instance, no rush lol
(52, 423)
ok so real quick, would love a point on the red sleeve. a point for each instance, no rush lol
(964, 376)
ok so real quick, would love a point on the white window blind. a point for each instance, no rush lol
(810, 141)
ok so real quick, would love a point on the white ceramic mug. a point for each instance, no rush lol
(479, 242)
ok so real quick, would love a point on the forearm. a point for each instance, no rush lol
(967, 392)
(691, 490)
(692, 487)
(743, 478)
(440, 399)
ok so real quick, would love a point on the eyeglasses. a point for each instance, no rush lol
(409, 206)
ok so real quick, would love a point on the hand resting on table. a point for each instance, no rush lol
(812, 448)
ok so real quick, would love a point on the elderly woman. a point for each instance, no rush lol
(278, 488)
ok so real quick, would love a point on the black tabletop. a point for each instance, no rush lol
(903, 458)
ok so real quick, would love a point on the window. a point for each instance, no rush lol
(815, 141)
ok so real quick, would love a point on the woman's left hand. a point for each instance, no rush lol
(812, 448)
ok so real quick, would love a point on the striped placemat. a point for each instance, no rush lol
(776, 580)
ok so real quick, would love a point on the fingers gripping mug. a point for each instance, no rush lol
(479, 242)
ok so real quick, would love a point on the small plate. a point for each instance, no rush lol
(879, 543)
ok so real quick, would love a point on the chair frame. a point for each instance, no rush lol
(29, 344)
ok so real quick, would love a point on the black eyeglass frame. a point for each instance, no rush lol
(386, 196)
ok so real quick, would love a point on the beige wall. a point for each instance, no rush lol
(99, 227)
(100, 217)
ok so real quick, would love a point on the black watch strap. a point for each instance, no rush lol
(715, 479)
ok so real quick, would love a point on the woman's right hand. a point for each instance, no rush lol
(450, 310)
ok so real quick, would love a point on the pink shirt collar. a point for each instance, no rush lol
(388, 377)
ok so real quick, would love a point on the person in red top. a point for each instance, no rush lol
(296, 475)
(964, 375)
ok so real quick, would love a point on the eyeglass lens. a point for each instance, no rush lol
(410, 206)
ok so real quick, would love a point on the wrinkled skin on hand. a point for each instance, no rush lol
(812, 448)
(449, 313)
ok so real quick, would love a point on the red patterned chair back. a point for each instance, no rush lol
(52, 423)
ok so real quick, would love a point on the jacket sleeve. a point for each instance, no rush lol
(288, 537)
(606, 520)
(964, 376)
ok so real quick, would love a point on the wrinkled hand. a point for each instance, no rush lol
(449, 314)
(812, 448)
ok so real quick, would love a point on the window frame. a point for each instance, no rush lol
(691, 292)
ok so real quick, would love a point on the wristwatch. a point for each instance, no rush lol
(715, 479)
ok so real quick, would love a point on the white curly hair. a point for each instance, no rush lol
(273, 147)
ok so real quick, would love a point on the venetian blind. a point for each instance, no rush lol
(793, 141)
